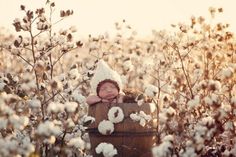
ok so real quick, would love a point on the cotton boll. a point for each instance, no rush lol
(140, 102)
(39, 66)
(78, 97)
(227, 72)
(74, 74)
(162, 118)
(34, 103)
(227, 107)
(142, 122)
(233, 101)
(152, 107)
(61, 77)
(229, 125)
(202, 85)
(151, 90)
(100, 148)
(214, 97)
(211, 99)
(107, 149)
(71, 106)
(169, 138)
(6, 110)
(56, 84)
(25, 86)
(233, 151)
(170, 111)
(124, 79)
(115, 115)
(200, 132)
(135, 117)
(140, 117)
(77, 143)
(8, 145)
(208, 121)
(61, 39)
(189, 152)
(70, 123)
(214, 85)
(233, 66)
(3, 123)
(234, 90)
(24, 121)
(88, 120)
(28, 147)
(197, 73)
(208, 100)
(193, 103)
(50, 140)
(128, 66)
(145, 116)
(164, 149)
(48, 128)
(2, 85)
(106, 127)
(73, 29)
(57, 122)
(55, 107)
(19, 122)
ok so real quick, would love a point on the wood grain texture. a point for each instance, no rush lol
(129, 138)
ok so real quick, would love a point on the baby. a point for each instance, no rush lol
(106, 85)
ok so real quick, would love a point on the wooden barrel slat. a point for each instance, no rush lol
(129, 137)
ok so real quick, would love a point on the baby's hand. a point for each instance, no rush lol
(92, 99)
(120, 98)
(105, 100)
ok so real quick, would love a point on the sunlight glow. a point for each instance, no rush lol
(97, 17)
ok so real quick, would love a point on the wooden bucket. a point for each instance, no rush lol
(129, 137)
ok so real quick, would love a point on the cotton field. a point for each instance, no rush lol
(189, 74)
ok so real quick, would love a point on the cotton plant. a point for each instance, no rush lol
(18, 122)
(48, 128)
(11, 144)
(189, 151)
(192, 71)
(165, 149)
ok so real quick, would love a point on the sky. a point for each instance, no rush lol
(98, 16)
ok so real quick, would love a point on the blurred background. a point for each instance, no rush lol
(98, 16)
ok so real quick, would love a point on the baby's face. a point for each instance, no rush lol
(108, 91)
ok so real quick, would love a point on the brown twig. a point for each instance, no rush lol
(175, 48)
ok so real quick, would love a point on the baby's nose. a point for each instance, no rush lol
(109, 89)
